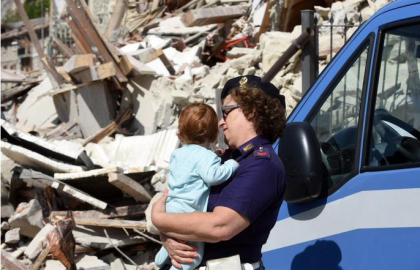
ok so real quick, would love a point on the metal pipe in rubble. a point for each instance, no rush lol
(296, 45)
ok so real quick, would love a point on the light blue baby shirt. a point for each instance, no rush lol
(193, 169)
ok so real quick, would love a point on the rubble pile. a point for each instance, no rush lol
(86, 145)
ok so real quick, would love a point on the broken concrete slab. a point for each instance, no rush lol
(92, 173)
(39, 242)
(118, 265)
(27, 217)
(145, 151)
(5, 226)
(96, 115)
(91, 263)
(72, 151)
(7, 210)
(130, 48)
(95, 237)
(36, 161)
(212, 80)
(150, 109)
(157, 43)
(237, 52)
(144, 55)
(9, 262)
(12, 236)
(129, 186)
(249, 71)
(54, 265)
(159, 67)
(36, 179)
(133, 67)
(95, 182)
(188, 56)
(79, 195)
(38, 111)
(174, 26)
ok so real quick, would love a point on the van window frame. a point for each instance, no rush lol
(368, 42)
(372, 98)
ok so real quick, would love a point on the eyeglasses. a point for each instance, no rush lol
(226, 110)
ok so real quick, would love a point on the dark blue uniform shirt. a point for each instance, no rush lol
(256, 191)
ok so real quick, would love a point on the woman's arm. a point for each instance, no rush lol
(220, 225)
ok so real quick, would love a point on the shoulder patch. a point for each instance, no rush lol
(262, 153)
(248, 147)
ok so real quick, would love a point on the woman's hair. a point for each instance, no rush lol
(198, 124)
(266, 113)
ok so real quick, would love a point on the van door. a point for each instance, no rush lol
(368, 127)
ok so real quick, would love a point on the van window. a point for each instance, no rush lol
(336, 122)
(395, 129)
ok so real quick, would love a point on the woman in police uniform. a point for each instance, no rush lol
(242, 211)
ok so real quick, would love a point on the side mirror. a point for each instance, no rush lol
(299, 151)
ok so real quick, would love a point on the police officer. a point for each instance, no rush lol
(242, 211)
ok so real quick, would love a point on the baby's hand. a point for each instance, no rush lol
(219, 152)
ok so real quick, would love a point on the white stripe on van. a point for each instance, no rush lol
(396, 208)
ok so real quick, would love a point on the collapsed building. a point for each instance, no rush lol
(86, 142)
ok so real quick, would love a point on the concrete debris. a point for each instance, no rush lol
(93, 132)
(27, 217)
(5, 226)
(38, 243)
(7, 211)
(12, 236)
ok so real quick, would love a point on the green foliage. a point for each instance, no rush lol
(12, 16)
(32, 8)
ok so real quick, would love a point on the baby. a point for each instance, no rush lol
(193, 169)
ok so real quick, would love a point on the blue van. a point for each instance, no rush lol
(352, 156)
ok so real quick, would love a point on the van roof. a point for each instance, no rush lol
(396, 4)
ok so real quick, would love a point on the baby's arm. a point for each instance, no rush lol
(213, 172)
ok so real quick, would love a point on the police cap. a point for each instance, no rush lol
(253, 81)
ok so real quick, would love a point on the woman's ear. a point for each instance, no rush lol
(251, 115)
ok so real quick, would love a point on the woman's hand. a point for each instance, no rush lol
(219, 152)
(179, 251)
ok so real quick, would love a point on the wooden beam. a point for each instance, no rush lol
(8, 262)
(94, 39)
(97, 73)
(117, 212)
(68, 88)
(129, 186)
(109, 129)
(78, 63)
(56, 79)
(79, 39)
(116, 17)
(111, 48)
(167, 63)
(133, 67)
(206, 16)
(115, 223)
(63, 48)
(266, 21)
(41, 258)
(65, 75)
(15, 92)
